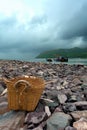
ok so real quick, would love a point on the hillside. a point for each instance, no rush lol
(70, 53)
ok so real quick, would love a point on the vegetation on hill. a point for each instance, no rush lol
(70, 53)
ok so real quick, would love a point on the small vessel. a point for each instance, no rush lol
(61, 59)
(49, 60)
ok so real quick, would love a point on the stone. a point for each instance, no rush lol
(80, 124)
(39, 118)
(78, 114)
(58, 120)
(47, 111)
(62, 98)
(76, 81)
(84, 79)
(1, 89)
(3, 104)
(69, 107)
(73, 98)
(12, 120)
(81, 105)
(70, 128)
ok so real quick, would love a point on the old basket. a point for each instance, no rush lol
(24, 92)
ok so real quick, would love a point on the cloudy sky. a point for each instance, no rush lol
(28, 27)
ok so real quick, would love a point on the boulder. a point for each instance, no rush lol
(78, 114)
(58, 121)
(80, 124)
(12, 120)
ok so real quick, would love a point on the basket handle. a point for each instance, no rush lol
(27, 85)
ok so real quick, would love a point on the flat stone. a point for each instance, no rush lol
(70, 128)
(58, 120)
(78, 114)
(81, 105)
(3, 105)
(12, 120)
(80, 124)
(69, 107)
(76, 81)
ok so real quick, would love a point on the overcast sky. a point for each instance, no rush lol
(28, 27)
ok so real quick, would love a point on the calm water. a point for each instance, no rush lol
(70, 61)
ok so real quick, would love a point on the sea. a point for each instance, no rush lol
(71, 61)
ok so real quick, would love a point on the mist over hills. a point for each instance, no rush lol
(70, 53)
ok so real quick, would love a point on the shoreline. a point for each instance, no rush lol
(65, 96)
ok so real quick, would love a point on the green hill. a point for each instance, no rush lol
(70, 53)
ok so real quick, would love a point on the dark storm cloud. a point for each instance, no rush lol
(30, 27)
(76, 27)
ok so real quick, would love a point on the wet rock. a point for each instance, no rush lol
(80, 124)
(58, 120)
(78, 114)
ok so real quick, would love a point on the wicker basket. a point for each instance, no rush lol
(24, 92)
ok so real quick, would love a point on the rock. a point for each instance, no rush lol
(25, 67)
(40, 73)
(58, 109)
(47, 111)
(58, 120)
(81, 105)
(84, 79)
(80, 124)
(62, 98)
(70, 81)
(76, 81)
(49, 102)
(39, 118)
(12, 120)
(1, 88)
(35, 118)
(70, 128)
(38, 128)
(3, 105)
(69, 107)
(73, 98)
(78, 114)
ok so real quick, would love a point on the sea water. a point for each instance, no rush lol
(70, 61)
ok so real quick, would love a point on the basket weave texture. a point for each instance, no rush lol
(24, 92)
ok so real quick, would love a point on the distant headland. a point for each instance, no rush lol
(70, 53)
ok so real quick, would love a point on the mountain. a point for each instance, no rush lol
(70, 53)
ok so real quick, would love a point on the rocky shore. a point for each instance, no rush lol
(63, 103)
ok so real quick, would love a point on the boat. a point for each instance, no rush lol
(49, 60)
(61, 59)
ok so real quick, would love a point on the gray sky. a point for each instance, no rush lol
(28, 27)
